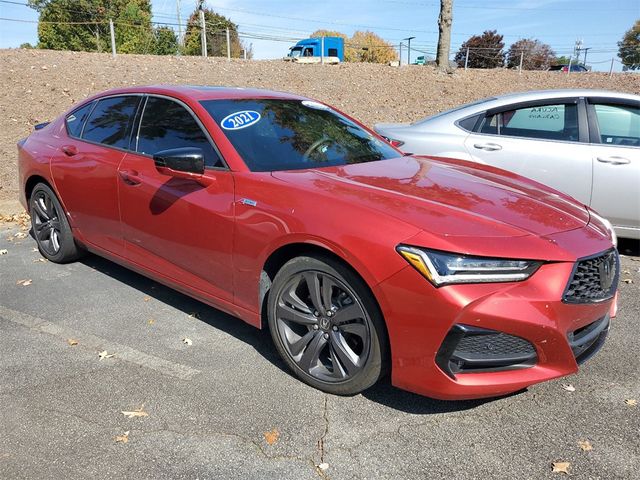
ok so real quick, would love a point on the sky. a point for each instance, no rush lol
(599, 24)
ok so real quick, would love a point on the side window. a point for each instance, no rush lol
(75, 120)
(468, 123)
(167, 124)
(549, 122)
(619, 124)
(110, 122)
(333, 52)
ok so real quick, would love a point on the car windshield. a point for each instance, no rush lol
(276, 134)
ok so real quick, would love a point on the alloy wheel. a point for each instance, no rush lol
(323, 326)
(46, 223)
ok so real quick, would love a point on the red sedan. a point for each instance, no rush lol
(462, 281)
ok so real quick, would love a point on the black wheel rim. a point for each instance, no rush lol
(46, 223)
(323, 326)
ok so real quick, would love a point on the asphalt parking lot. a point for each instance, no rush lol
(225, 407)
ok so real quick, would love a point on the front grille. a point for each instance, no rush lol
(468, 349)
(594, 279)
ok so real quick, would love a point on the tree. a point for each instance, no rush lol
(629, 47)
(84, 24)
(165, 41)
(216, 26)
(371, 48)
(485, 51)
(444, 33)
(26, 45)
(350, 54)
(563, 60)
(535, 54)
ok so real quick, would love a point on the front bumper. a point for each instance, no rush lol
(419, 318)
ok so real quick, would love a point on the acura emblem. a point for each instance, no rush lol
(607, 270)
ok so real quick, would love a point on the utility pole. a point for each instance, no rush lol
(585, 56)
(611, 69)
(400, 62)
(466, 59)
(322, 50)
(521, 58)
(113, 39)
(228, 47)
(203, 30)
(408, 39)
(179, 24)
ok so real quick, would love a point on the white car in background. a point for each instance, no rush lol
(585, 143)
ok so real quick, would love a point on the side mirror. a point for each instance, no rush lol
(180, 160)
(185, 162)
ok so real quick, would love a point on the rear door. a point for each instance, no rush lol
(540, 140)
(85, 168)
(177, 227)
(615, 145)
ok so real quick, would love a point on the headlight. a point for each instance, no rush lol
(442, 268)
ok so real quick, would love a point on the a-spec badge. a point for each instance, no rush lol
(239, 120)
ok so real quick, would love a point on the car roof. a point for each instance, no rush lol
(513, 98)
(202, 92)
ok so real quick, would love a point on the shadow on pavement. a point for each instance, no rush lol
(383, 393)
(629, 247)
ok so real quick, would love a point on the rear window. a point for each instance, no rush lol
(76, 119)
(111, 120)
(274, 134)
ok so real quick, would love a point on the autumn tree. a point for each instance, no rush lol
(371, 48)
(485, 51)
(216, 26)
(84, 25)
(535, 55)
(444, 33)
(629, 47)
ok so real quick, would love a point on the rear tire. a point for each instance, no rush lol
(50, 226)
(326, 325)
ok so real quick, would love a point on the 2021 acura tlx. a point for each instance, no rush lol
(460, 280)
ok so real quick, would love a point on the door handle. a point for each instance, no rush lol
(614, 160)
(489, 147)
(69, 150)
(130, 177)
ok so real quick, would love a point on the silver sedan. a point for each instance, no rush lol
(585, 143)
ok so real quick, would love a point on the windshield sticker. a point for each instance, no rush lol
(238, 120)
(316, 105)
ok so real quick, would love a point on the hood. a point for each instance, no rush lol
(448, 197)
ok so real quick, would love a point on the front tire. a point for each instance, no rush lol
(327, 326)
(50, 226)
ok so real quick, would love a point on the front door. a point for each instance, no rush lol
(540, 142)
(176, 227)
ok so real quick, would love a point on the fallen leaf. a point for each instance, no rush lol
(151, 321)
(569, 388)
(195, 315)
(34, 249)
(146, 299)
(24, 283)
(124, 438)
(585, 445)
(20, 235)
(626, 272)
(136, 413)
(4, 251)
(632, 402)
(272, 436)
(323, 466)
(187, 341)
(627, 280)
(561, 467)
(103, 354)
(72, 341)
(40, 260)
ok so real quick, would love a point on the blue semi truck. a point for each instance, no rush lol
(310, 50)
